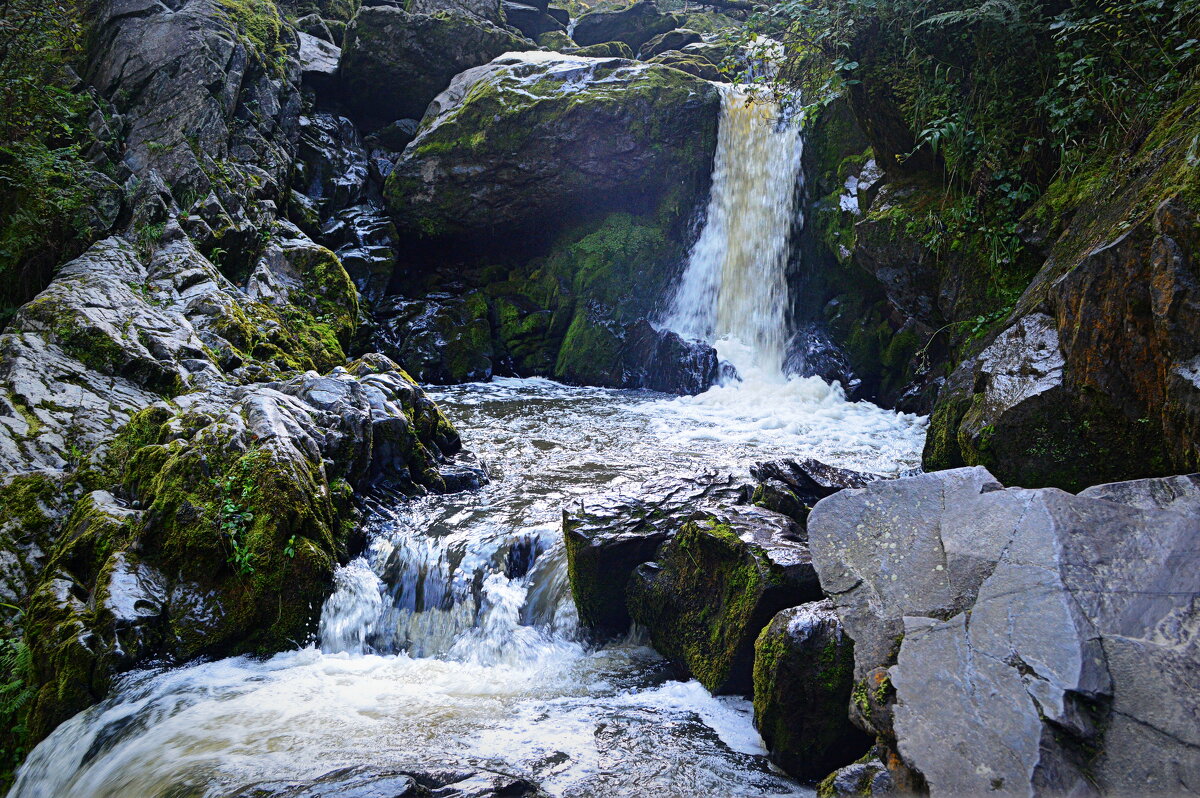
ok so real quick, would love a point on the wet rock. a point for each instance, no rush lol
(671, 40)
(362, 781)
(803, 676)
(1074, 651)
(560, 14)
(865, 778)
(558, 41)
(487, 10)
(364, 239)
(318, 62)
(792, 487)
(492, 157)
(635, 25)
(716, 584)
(604, 50)
(206, 113)
(247, 507)
(639, 356)
(441, 339)
(532, 22)
(608, 539)
(394, 62)
(314, 25)
(813, 353)
(332, 167)
(689, 63)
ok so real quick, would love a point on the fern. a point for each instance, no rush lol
(997, 11)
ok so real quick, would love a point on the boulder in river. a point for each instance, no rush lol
(715, 585)
(803, 677)
(1062, 620)
(792, 487)
(637, 355)
(535, 142)
(607, 540)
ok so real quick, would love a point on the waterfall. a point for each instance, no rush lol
(734, 291)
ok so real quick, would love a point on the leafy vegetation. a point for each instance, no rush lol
(994, 99)
(45, 194)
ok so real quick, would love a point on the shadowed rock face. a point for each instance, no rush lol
(394, 62)
(545, 140)
(1036, 641)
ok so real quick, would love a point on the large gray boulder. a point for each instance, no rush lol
(394, 62)
(1037, 642)
(534, 142)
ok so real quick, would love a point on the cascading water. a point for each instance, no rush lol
(734, 290)
(452, 641)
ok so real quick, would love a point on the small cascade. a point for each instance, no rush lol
(734, 290)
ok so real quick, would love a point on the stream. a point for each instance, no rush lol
(452, 641)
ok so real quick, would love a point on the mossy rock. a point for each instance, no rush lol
(604, 50)
(716, 585)
(519, 152)
(803, 678)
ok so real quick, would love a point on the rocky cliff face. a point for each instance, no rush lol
(1084, 376)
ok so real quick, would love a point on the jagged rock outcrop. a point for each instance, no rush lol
(538, 142)
(716, 585)
(1055, 629)
(179, 479)
(395, 62)
(605, 542)
(803, 676)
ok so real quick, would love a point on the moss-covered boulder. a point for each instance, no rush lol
(604, 50)
(671, 40)
(634, 25)
(532, 144)
(607, 539)
(394, 62)
(714, 588)
(689, 63)
(803, 678)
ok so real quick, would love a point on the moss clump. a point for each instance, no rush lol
(706, 604)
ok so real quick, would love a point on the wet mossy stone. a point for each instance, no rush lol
(535, 144)
(393, 62)
(714, 588)
(793, 487)
(803, 678)
(671, 40)
(689, 63)
(607, 539)
(604, 50)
